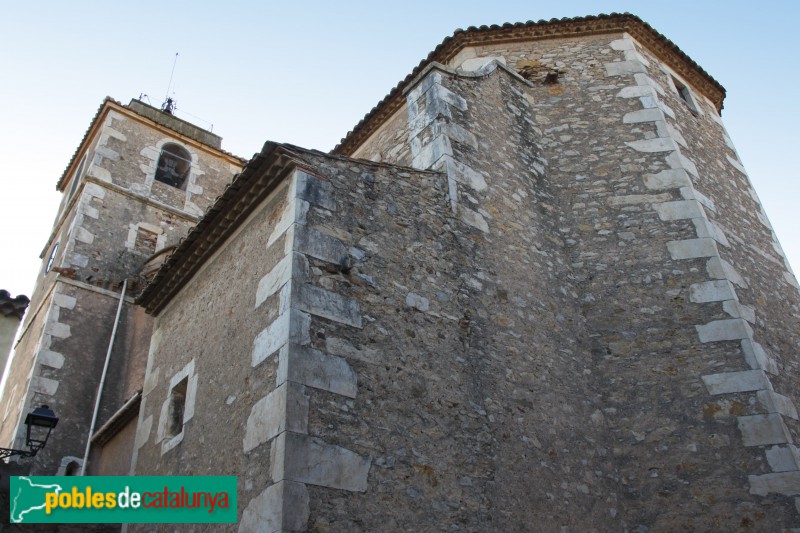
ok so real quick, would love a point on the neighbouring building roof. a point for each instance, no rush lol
(13, 306)
(179, 126)
(655, 42)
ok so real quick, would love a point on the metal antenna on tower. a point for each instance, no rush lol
(169, 104)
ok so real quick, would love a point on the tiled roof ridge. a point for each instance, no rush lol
(542, 29)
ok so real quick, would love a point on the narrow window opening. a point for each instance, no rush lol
(173, 166)
(686, 95)
(177, 406)
(51, 259)
(76, 178)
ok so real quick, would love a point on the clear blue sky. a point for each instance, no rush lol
(307, 72)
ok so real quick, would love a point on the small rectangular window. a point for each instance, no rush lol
(76, 178)
(177, 406)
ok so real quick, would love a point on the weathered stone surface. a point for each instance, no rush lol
(712, 291)
(728, 382)
(317, 369)
(738, 310)
(558, 273)
(680, 210)
(621, 68)
(724, 330)
(309, 460)
(283, 409)
(667, 179)
(271, 339)
(417, 302)
(720, 269)
(327, 304)
(787, 483)
(773, 402)
(314, 190)
(658, 144)
(692, 248)
(783, 458)
(757, 357)
(758, 430)
(274, 280)
(643, 115)
(321, 246)
(283, 506)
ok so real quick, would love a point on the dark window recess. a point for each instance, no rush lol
(686, 96)
(146, 241)
(173, 166)
(177, 405)
(73, 469)
(52, 258)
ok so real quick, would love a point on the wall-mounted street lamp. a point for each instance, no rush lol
(40, 423)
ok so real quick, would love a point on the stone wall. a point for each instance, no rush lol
(389, 143)
(561, 308)
(674, 262)
(206, 334)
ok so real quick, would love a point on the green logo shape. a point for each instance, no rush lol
(123, 499)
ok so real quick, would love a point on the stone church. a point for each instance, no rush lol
(532, 290)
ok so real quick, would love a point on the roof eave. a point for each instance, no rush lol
(665, 49)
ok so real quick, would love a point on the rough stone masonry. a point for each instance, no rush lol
(533, 290)
(529, 295)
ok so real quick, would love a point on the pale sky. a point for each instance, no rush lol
(307, 72)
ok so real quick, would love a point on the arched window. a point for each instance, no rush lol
(73, 469)
(173, 166)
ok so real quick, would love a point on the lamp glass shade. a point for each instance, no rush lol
(42, 417)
